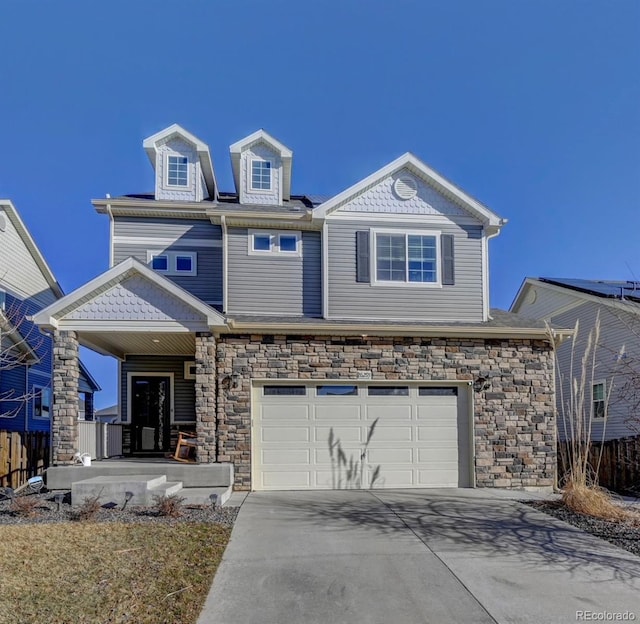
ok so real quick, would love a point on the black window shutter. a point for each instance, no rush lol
(448, 270)
(362, 257)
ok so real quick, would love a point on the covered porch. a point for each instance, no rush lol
(164, 340)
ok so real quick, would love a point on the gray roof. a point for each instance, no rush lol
(499, 319)
(610, 289)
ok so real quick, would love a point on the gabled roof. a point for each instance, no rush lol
(150, 145)
(50, 316)
(84, 372)
(260, 136)
(30, 244)
(431, 177)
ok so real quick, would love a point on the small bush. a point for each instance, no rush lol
(25, 506)
(597, 502)
(88, 510)
(169, 506)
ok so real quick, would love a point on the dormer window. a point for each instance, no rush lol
(260, 175)
(177, 171)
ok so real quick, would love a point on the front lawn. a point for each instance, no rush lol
(76, 572)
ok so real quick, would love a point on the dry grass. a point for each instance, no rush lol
(597, 502)
(88, 510)
(107, 573)
(25, 506)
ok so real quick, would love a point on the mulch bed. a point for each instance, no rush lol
(618, 533)
(47, 512)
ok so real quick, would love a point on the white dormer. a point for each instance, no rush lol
(261, 169)
(183, 166)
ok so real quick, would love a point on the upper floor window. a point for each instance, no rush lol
(41, 402)
(599, 399)
(177, 171)
(260, 175)
(174, 262)
(407, 258)
(278, 243)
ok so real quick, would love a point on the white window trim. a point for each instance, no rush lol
(598, 382)
(165, 180)
(38, 391)
(132, 374)
(187, 369)
(250, 186)
(172, 262)
(275, 243)
(406, 284)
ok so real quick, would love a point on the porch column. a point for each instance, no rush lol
(206, 397)
(66, 372)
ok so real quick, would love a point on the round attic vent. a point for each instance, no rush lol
(3, 223)
(405, 187)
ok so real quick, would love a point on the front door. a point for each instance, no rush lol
(150, 414)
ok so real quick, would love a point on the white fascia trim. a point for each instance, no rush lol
(167, 242)
(409, 219)
(47, 317)
(35, 252)
(204, 156)
(143, 374)
(136, 326)
(485, 215)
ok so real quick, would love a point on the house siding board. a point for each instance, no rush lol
(614, 333)
(207, 284)
(274, 285)
(20, 273)
(546, 302)
(12, 385)
(184, 389)
(349, 298)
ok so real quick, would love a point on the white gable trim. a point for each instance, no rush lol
(260, 136)
(50, 316)
(474, 207)
(204, 157)
(30, 244)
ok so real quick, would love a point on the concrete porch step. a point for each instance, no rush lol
(202, 496)
(165, 489)
(111, 490)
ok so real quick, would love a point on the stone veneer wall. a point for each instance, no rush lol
(205, 390)
(514, 421)
(66, 372)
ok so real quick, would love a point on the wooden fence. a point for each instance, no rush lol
(619, 466)
(22, 455)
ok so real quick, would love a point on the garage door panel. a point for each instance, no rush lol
(385, 456)
(339, 413)
(438, 478)
(388, 412)
(285, 456)
(285, 412)
(286, 479)
(344, 434)
(384, 434)
(322, 457)
(434, 454)
(443, 433)
(396, 478)
(285, 434)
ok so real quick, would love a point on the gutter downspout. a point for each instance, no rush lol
(225, 263)
(111, 228)
(485, 270)
(26, 394)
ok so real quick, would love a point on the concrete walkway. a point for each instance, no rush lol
(413, 557)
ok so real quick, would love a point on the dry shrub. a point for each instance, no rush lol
(169, 506)
(25, 506)
(592, 500)
(88, 510)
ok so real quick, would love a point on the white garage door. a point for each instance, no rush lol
(329, 435)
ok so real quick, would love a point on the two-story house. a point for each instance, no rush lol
(311, 342)
(26, 286)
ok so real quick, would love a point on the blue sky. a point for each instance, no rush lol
(533, 107)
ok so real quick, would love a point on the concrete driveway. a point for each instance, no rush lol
(414, 557)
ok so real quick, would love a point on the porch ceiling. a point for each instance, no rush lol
(120, 344)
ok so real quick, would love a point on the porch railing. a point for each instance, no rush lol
(99, 440)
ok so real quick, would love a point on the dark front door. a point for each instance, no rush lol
(150, 414)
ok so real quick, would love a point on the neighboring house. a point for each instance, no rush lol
(26, 286)
(313, 342)
(107, 414)
(616, 375)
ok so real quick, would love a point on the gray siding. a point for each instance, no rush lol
(614, 333)
(541, 302)
(459, 302)
(184, 389)
(277, 284)
(183, 235)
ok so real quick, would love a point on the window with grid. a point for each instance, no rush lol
(178, 171)
(406, 258)
(599, 399)
(261, 175)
